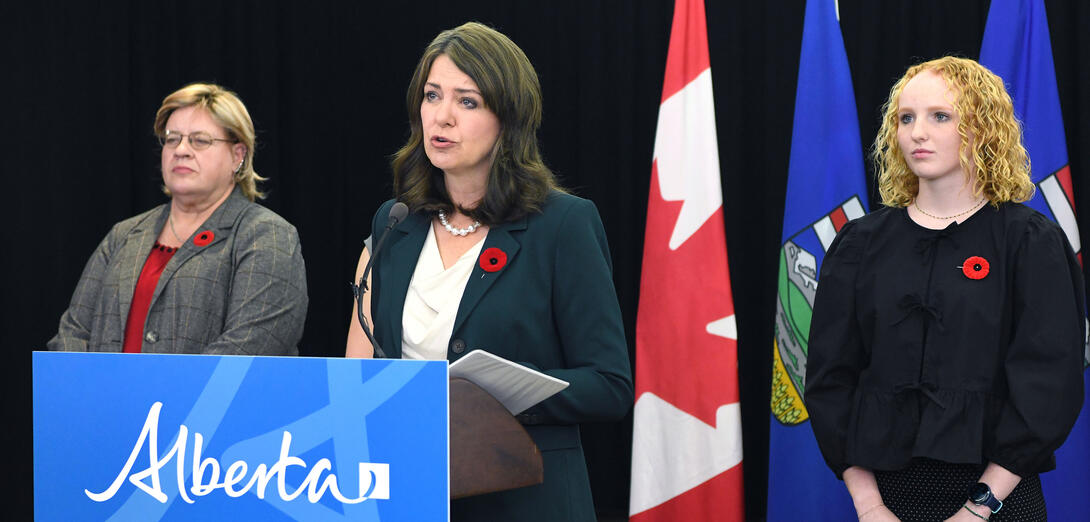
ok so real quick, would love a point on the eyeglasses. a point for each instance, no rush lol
(197, 140)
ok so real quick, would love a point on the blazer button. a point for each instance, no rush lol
(151, 337)
(458, 346)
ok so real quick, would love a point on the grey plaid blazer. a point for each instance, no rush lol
(245, 293)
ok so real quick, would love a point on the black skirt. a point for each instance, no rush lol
(929, 490)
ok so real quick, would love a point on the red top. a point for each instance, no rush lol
(141, 297)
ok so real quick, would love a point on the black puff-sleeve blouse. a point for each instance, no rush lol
(963, 345)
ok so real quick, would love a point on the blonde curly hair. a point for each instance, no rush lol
(991, 137)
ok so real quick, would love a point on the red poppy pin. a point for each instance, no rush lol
(975, 267)
(204, 238)
(493, 259)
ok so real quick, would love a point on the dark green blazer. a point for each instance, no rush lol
(553, 307)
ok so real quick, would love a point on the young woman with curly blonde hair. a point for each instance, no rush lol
(945, 357)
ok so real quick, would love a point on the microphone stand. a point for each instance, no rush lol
(397, 213)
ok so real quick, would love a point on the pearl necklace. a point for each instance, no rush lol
(457, 231)
(974, 207)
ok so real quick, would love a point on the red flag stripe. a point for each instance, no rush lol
(1064, 177)
(717, 500)
(839, 218)
(688, 54)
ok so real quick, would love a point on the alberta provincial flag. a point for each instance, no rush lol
(687, 436)
(1016, 47)
(826, 188)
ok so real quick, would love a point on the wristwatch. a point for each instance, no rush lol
(981, 495)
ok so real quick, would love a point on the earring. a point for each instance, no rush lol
(239, 167)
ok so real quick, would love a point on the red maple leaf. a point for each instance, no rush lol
(681, 292)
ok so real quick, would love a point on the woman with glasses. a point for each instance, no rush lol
(210, 271)
(494, 256)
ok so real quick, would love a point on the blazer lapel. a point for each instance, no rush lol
(403, 251)
(137, 247)
(480, 281)
(220, 224)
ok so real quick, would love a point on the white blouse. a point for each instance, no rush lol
(432, 301)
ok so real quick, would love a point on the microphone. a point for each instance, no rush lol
(397, 213)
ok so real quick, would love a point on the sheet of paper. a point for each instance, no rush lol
(514, 385)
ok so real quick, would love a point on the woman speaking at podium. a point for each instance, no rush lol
(493, 255)
(208, 272)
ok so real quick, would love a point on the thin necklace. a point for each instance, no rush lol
(974, 207)
(457, 231)
(170, 218)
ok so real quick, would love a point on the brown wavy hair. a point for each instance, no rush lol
(518, 180)
(227, 110)
(991, 137)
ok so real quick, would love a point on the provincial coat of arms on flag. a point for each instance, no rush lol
(826, 188)
(795, 289)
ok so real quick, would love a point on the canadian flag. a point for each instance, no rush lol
(687, 432)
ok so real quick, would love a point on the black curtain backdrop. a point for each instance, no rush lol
(325, 83)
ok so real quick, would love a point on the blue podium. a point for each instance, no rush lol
(198, 437)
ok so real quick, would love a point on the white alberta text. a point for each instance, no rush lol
(374, 478)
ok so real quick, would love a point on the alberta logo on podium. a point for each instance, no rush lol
(374, 479)
(168, 437)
